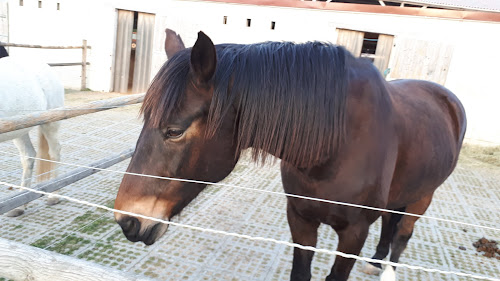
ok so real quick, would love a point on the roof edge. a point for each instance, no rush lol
(446, 5)
(362, 8)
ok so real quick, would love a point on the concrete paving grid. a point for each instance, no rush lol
(91, 234)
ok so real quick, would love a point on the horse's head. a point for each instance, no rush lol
(174, 141)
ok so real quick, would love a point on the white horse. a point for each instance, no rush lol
(25, 87)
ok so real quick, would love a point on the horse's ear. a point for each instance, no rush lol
(203, 59)
(173, 43)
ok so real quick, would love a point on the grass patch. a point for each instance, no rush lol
(67, 246)
(98, 225)
(43, 242)
(87, 217)
(110, 204)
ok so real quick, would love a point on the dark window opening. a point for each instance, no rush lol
(376, 3)
(39, 4)
(132, 53)
(249, 22)
(224, 21)
(369, 45)
(58, 6)
(412, 6)
(273, 25)
(21, 3)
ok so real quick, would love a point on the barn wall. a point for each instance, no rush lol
(464, 49)
(4, 22)
(469, 47)
(29, 24)
(474, 76)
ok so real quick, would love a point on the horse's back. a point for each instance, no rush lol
(431, 104)
(430, 123)
(27, 87)
(19, 89)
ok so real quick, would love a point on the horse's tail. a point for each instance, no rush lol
(44, 169)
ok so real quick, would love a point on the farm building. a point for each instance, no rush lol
(453, 43)
(450, 42)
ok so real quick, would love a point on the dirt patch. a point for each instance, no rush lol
(489, 247)
(486, 154)
(74, 98)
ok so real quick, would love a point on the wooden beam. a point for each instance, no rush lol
(29, 120)
(40, 47)
(23, 262)
(24, 197)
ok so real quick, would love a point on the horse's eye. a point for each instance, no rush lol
(174, 133)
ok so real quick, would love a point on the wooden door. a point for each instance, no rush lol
(419, 59)
(122, 51)
(143, 52)
(352, 40)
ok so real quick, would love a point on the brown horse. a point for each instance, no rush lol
(343, 133)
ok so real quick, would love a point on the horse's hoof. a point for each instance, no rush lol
(389, 274)
(15, 213)
(53, 201)
(370, 269)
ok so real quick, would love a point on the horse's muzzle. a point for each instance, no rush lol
(135, 231)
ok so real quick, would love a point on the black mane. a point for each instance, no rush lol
(290, 97)
(3, 52)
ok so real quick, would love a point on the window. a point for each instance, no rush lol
(273, 25)
(249, 22)
(373, 46)
(224, 21)
(39, 4)
(21, 3)
(58, 6)
(369, 46)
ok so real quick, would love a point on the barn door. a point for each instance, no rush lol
(419, 59)
(352, 40)
(122, 51)
(383, 52)
(143, 52)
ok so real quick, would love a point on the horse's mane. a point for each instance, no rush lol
(3, 52)
(290, 98)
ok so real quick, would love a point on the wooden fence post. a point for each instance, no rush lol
(84, 65)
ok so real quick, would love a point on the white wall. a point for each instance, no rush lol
(472, 75)
(4, 23)
(29, 24)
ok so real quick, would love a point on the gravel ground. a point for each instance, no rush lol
(470, 195)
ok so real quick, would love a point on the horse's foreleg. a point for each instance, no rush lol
(26, 151)
(304, 232)
(49, 132)
(351, 241)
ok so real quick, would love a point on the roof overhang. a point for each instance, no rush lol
(474, 5)
(361, 8)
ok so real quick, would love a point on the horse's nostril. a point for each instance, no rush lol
(130, 226)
